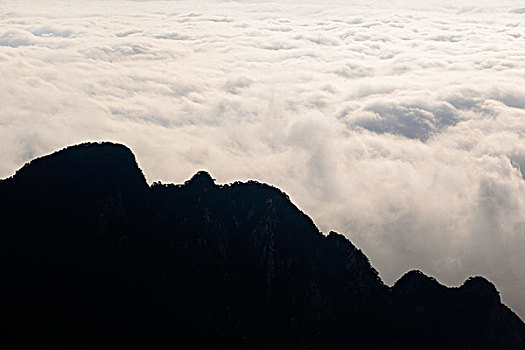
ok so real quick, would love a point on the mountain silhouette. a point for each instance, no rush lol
(92, 257)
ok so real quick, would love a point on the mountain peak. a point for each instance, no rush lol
(86, 164)
(415, 280)
(482, 288)
(201, 179)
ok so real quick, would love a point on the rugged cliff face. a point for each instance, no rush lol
(93, 257)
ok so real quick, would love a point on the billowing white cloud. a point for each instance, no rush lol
(400, 124)
(15, 38)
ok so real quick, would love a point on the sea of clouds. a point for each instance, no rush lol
(398, 123)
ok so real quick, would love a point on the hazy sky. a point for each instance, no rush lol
(398, 123)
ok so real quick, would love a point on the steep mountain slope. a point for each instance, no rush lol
(93, 257)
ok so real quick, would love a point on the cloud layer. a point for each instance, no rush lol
(402, 127)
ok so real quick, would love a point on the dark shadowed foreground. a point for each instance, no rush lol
(92, 257)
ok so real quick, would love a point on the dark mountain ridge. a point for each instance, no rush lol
(94, 257)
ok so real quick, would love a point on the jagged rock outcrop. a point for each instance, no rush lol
(93, 257)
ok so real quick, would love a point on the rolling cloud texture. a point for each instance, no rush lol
(402, 127)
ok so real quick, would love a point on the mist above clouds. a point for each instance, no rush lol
(399, 125)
